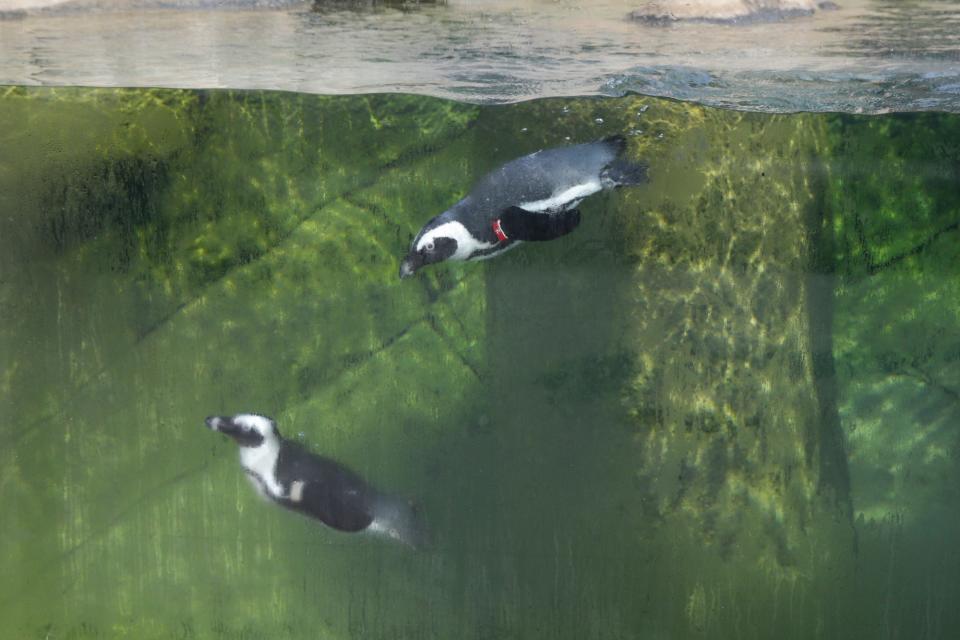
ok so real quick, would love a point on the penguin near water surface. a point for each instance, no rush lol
(530, 199)
(285, 473)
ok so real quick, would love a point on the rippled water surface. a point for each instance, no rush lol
(868, 56)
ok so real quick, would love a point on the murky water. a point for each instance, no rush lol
(870, 56)
(723, 407)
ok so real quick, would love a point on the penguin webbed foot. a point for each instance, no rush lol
(528, 226)
(625, 173)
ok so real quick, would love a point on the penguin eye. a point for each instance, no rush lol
(429, 246)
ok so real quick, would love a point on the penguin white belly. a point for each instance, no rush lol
(499, 251)
(467, 245)
(260, 463)
(564, 199)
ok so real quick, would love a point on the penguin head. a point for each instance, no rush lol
(246, 429)
(436, 242)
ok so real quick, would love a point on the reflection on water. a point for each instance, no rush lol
(929, 29)
(868, 56)
(723, 407)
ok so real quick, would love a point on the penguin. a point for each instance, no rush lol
(530, 199)
(286, 474)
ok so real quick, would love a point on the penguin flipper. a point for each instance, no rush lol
(528, 226)
(344, 510)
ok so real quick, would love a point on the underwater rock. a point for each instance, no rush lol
(726, 11)
(679, 349)
(266, 226)
(895, 334)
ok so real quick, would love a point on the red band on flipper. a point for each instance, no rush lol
(497, 229)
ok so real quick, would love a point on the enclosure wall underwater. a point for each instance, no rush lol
(725, 407)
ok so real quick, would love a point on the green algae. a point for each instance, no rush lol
(247, 204)
(635, 431)
(722, 327)
(897, 217)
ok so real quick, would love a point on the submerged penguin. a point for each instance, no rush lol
(287, 474)
(533, 198)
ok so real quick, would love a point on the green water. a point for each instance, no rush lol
(725, 407)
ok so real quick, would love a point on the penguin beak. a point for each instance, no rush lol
(226, 426)
(410, 264)
(242, 436)
(220, 423)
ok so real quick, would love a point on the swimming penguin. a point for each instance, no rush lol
(287, 474)
(533, 198)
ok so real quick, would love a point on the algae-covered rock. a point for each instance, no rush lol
(631, 431)
(673, 376)
(81, 177)
(897, 221)
(894, 210)
(723, 327)
(254, 272)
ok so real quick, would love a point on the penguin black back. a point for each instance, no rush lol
(329, 492)
(550, 182)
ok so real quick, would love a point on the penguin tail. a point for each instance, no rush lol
(400, 520)
(624, 173)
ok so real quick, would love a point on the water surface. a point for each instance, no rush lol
(870, 56)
